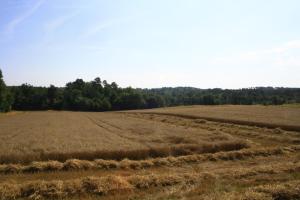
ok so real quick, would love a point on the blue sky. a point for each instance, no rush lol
(153, 43)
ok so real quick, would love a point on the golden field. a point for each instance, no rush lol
(192, 152)
(287, 116)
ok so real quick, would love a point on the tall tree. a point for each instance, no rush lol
(5, 97)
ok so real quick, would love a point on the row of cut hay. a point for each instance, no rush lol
(139, 154)
(241, 176)
(232, 121)
(74, 164)
(57, 189)
(265, 173)
(89, 185)
(278, 191)
(290, 190)
(278, 168)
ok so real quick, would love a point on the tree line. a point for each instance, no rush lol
(98, 95)
(6, 99)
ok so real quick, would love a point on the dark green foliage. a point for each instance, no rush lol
(27, 97)
(99, 95)
(130, 99)
(154, 101)
(54, 97)
(5, 96)
(247, 96)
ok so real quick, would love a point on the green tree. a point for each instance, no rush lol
(54, 98)
(130, 99)
(154, 101)
(5, 97)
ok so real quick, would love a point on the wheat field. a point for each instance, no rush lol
(198, 152)
(286, 116)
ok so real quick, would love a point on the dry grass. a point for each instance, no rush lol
(277, 191)
(226, 131)
(74, 164)
(119, 184)
(290, 190)
(40, 136)
(285, 117)
(88, 185)
(178, 153)
(139, 154)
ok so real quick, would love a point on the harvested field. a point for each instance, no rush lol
(286, 117)
(152, 154)
(37, 136)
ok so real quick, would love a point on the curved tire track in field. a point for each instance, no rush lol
(113, 129)
(231, 121)
(97, 124)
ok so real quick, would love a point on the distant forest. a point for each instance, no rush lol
(98, 95)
